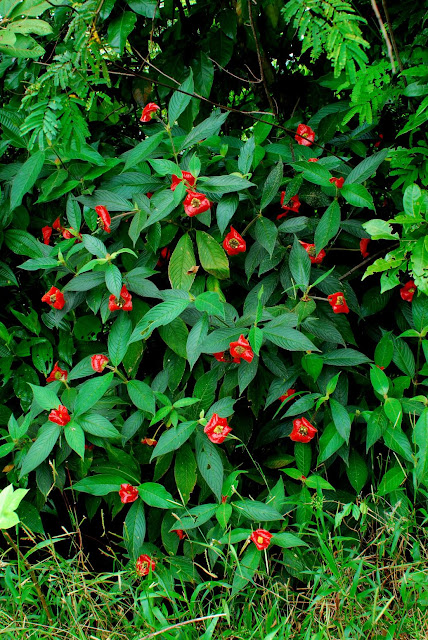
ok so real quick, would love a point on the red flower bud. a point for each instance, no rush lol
(57, 374)
(217, 429)
(195, 203)
(165, 255)
(295, 205)
(124, 302)
(186, 176)
(310, 250)
(338, 182)
(104, 219)
(46, 233)
(234, 243)
(241, 349)
(338, 302)
(148, 112)
(304, 135)
(60, 416)
(54, 298)
(128, 493)
(144, 565)
(181, 534)
(408, 291)
(99, 362)
(286, 395)
(363, 247)
(313, 160)
(303, 430)
(261, 538)
(149, 442)
(57, 225)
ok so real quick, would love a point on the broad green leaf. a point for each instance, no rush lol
(357, 471)
(357, 195)
(134, 530)
(392, 479)
(300, 265)
(75, 437)
(210, 302)
(118, 338)
(179, 100)
(173, 438)
(97, 425)
(397, 440)
(45, 397)
(212, 256)
(161, 314)
(225, 210)
(245, 569)
(180, 265)
(289, 339)
(420, 438)
(272, 185)
(204, 130)
(327, 227)
(185, 471)
(209, 463)
(155, 495)
(379, 380)
(119, 30)
(141, 395)
(330, 441)
(113, 279)
(246, 154)
(256, 511)
(101, 484)
(366, 168)
(345, 358)
(341, 419)
(195, 339)
(175, 335)
(393, 411)
(41, 448)
(266, 233)
(287, 540)
(25, 178)
(142, 151)
(224, 184)
(91, 391)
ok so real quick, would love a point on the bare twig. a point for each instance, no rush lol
(259, 58)
(361, 264)
(391, 35)
(385, 35)
(181, 624)
(256, 81)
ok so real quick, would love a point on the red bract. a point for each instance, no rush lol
(54, 298)
(295, 205)
(287, 394)
(165, 255)
(338, 302)
(57, 225)
(149, 442)
(60, 416)
(224, 499)
(180, 533)
(234, 243)
(241, 349)
(144, 565)
(68, 235)
(89, 447)
(310, 250)
(98, 362)
(303, 430)
(217, 429)
(338, 182)
(408, 291)
(379, 142)
(363, 247)
(313, 160)
(104, 219)
(128, 493)
(186, 176)
(261, 538)
(57, 374)
(148, 112)
(46, 233)
(124, 302)
(304, 135)
(195, 203)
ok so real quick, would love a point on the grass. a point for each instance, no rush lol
(350, 592)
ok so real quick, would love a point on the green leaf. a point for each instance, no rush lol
(357, 195)
(211, 303)
(195, 339)
(94, 246)
(246, 155)
(113, 279)
(204, 130)
(397, 440)
(179, 101)
(393, 411)
(256, 511)
(223, 514)
(391, 481)
(209, 463)
(420, 438)
(287, 540)
(224, 184)
(45, 397)
(91, 391)
(101, 484)
(315, 173)
(341, 419)
(303, 456)
(419, 263)
(272, 185)
(327, 227)
(160, 315)
(97, 425)
(41, 448)
(403, 357)
(180, 264)
(75, 437)
(289, 339)
(118, 338)
(380, 230)
(119, 30)
(345, 358)
(357, 471)
(366, 168)
(25, 178)
(185, 471)
(330, 441)
(173, 438)
(266, 233)
(384, 351)
(142, 151)
(155, 495)
(379, 380)
(212, 256)
(195, 517)
(175, 335)
(141, 395)
(300, 265)
(225, 210)
(134, 530)
(245, 569)
(39, 263)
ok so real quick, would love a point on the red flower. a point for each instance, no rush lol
(234, 243)
(104, 219)
(89, 447)
(46, 233)
(149, 442)
(124, 302)
(313, 160)
(241, 349)
(222, 356)
(54, 298)
(295, 206)
(165, 255)
(287, 394)
(217, 429)
(261, 538)
(180, 533)
(379, 142)
(149, 194)
(302, 431)
(304, 135)
(338, 182)
(363, 247)
(60, 416)
(128, 493)
(224, 499)
(57, 225)
(144, 564)
(67, 234)
(98, 362)
(195, 203)
(310, 250)
(148, 112)
(338, 302)
(408, 291)
(186, 176)
(381, 368)
(57, 374)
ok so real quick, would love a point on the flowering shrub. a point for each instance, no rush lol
(221, 373)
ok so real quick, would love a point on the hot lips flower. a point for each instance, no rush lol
(261, 538)
(408, 291)
(303, 430)
(338, 302)
(46, 233)
(57, 374)
(124, 302)
(60, 416)
(195, 203)
(144, 564)
(338, 182)
(234, 243)
(54, 298)
(148, 112)
(287, 394)
(180, 533)
(310, 250)
(241, 349)
(217, 429)
(363, 247)
(99, 362)
(292, 205)
(149, 442)
(104, 219)
(304, 135)
(128, 493)
(186, 176)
